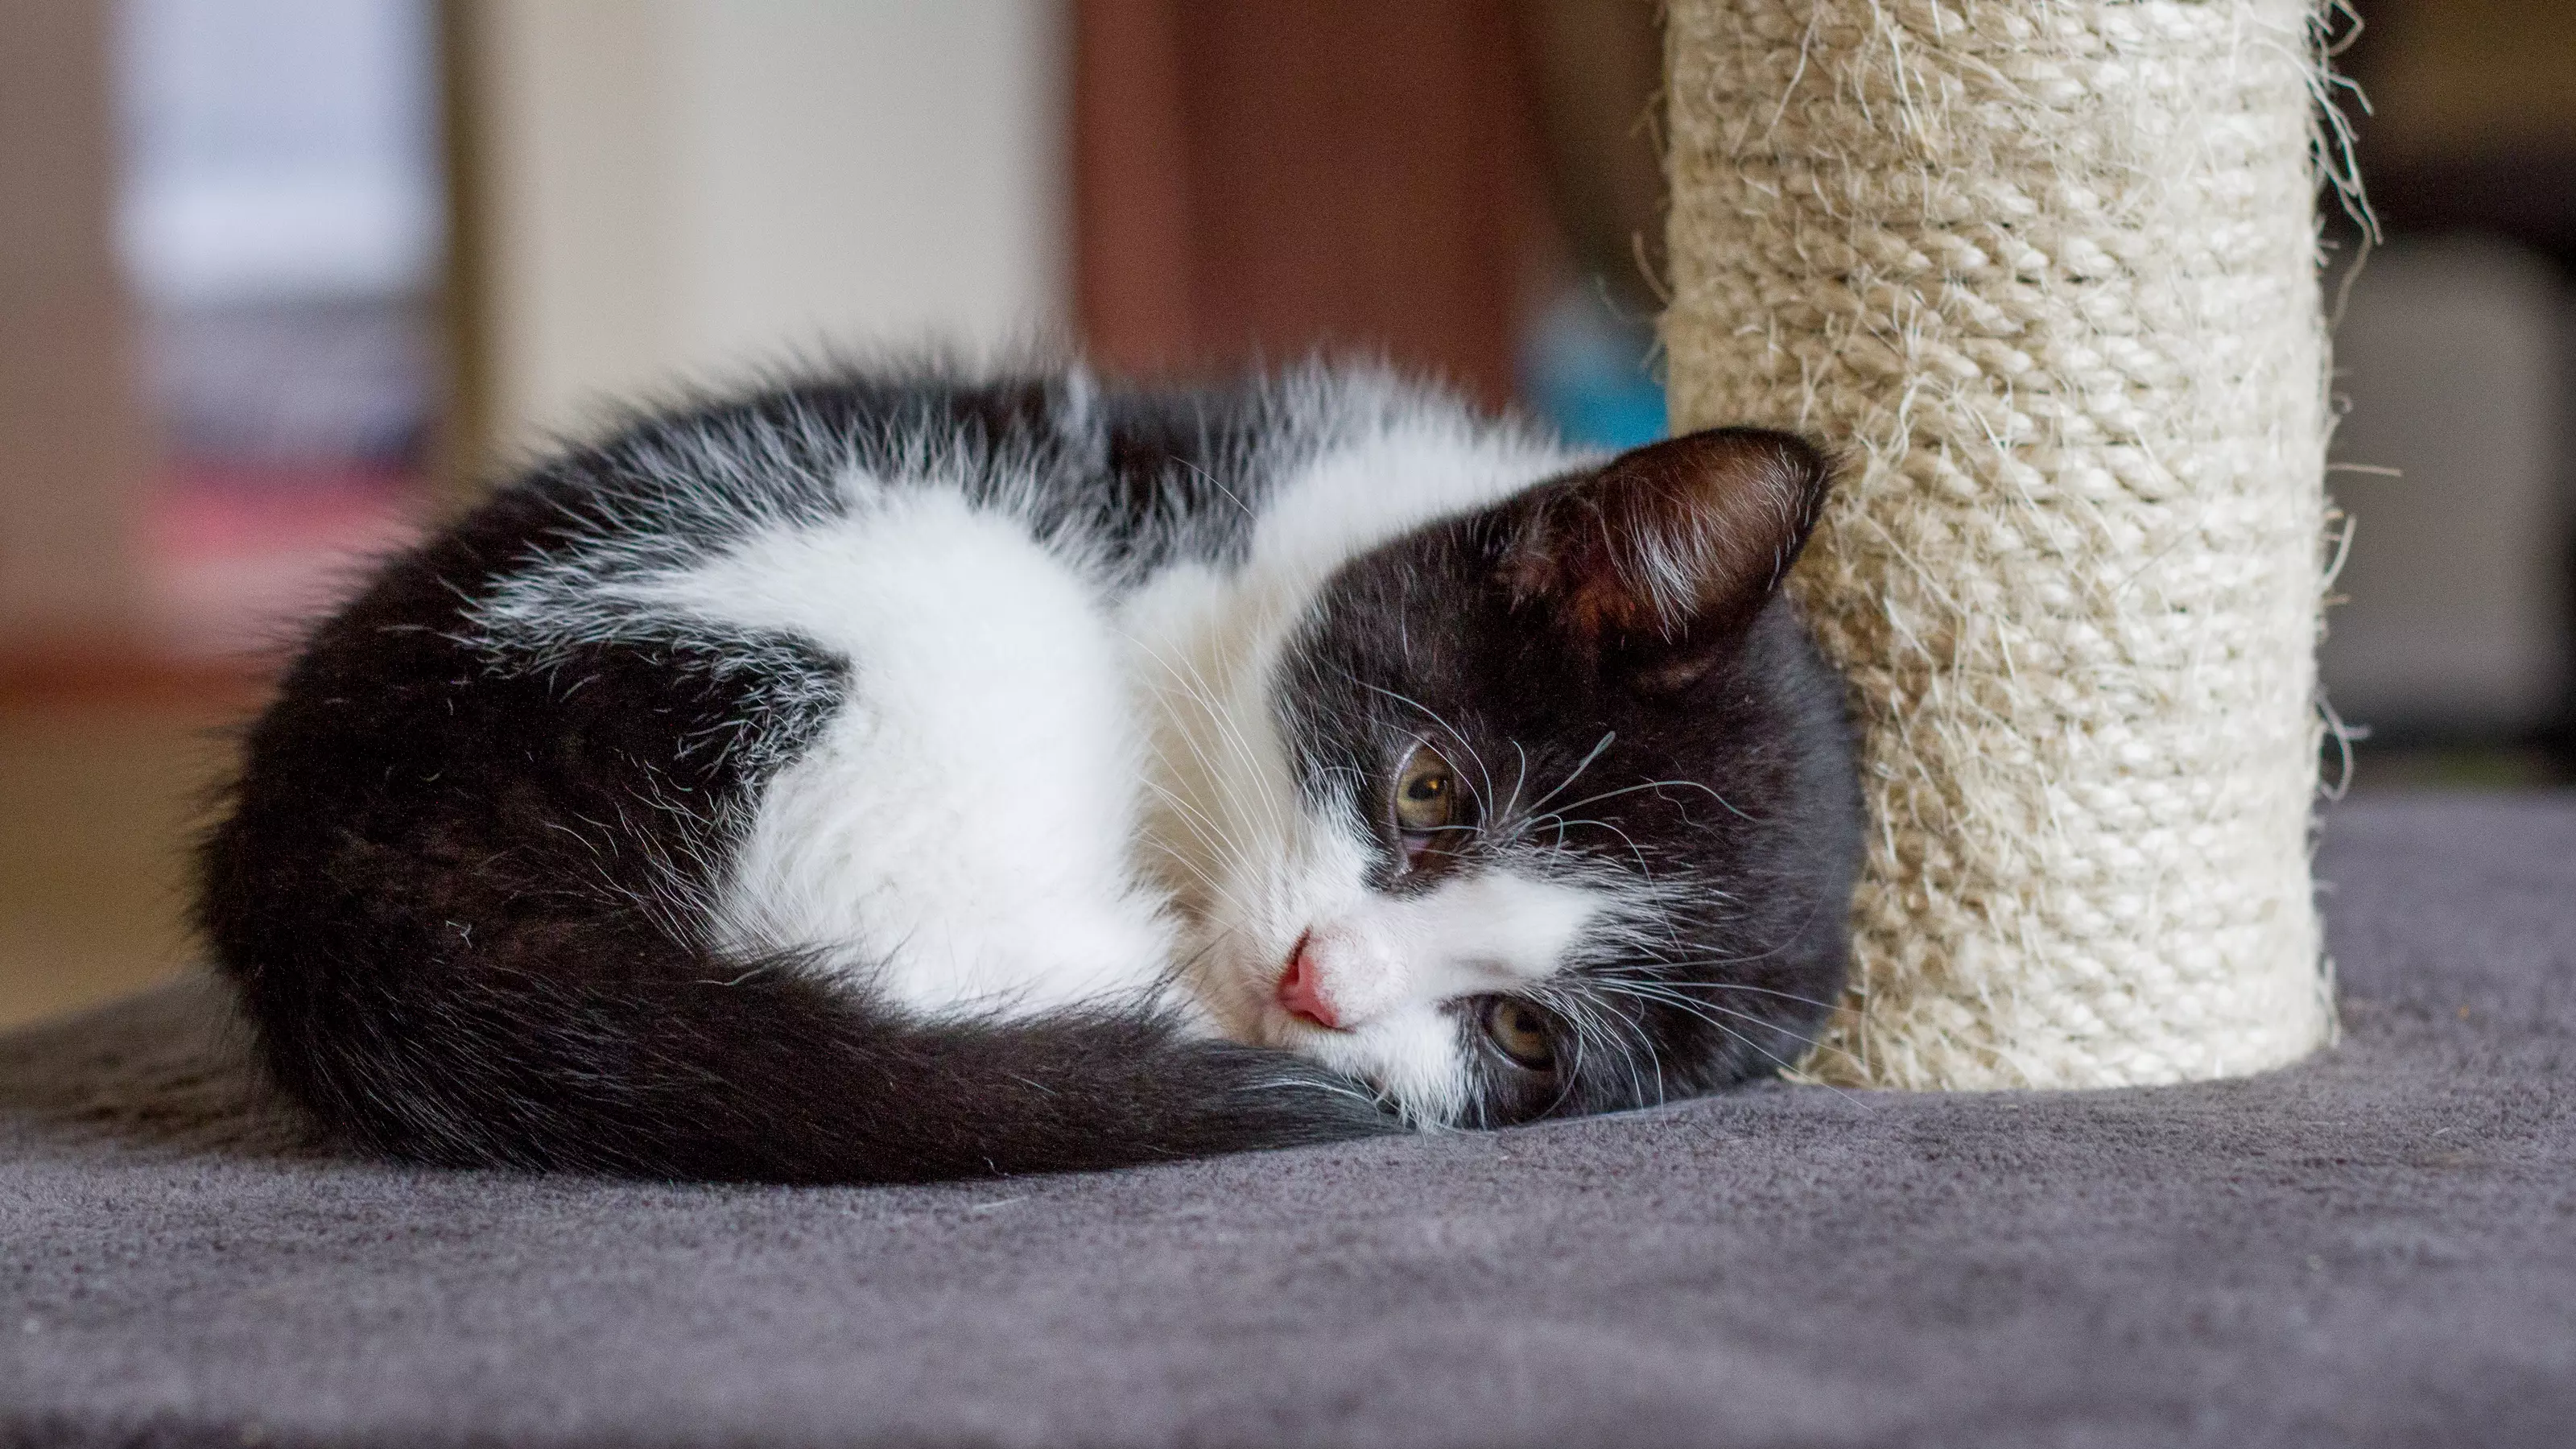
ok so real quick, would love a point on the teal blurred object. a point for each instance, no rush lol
(1587, 369)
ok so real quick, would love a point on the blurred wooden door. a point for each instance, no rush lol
(1258, 178)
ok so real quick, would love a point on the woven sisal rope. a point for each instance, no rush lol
(2047, 269)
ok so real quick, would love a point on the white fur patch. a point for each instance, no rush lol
(961, 830)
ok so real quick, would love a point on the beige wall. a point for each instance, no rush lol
(72, 445)
(680, 188)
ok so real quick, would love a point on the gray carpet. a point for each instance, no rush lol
(2378, 1246)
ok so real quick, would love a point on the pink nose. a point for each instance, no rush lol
(1301, 989)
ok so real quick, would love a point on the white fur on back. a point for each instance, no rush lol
(961, 831)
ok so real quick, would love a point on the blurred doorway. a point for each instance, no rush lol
(281, 219)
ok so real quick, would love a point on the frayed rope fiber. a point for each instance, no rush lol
(2048, 270)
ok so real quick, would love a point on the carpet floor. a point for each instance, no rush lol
(2377, 1246)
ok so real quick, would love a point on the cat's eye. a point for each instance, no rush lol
(1426, 794)
(1521, 1032)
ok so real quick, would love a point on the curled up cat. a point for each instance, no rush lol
(888, 777)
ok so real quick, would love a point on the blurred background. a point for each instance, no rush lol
(280, 280)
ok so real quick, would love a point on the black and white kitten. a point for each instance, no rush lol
(897, 777)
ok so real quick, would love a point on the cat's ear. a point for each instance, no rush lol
(1665, 554)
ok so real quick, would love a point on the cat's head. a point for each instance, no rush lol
(1547, 808)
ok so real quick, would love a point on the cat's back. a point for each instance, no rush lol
(670, 548)
(584, 685)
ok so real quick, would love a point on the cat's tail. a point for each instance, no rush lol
(666, 1062)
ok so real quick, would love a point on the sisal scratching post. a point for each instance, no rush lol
(2047, 270)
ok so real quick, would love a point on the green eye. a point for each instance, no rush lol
(1520, 1031)
(1426, 794)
